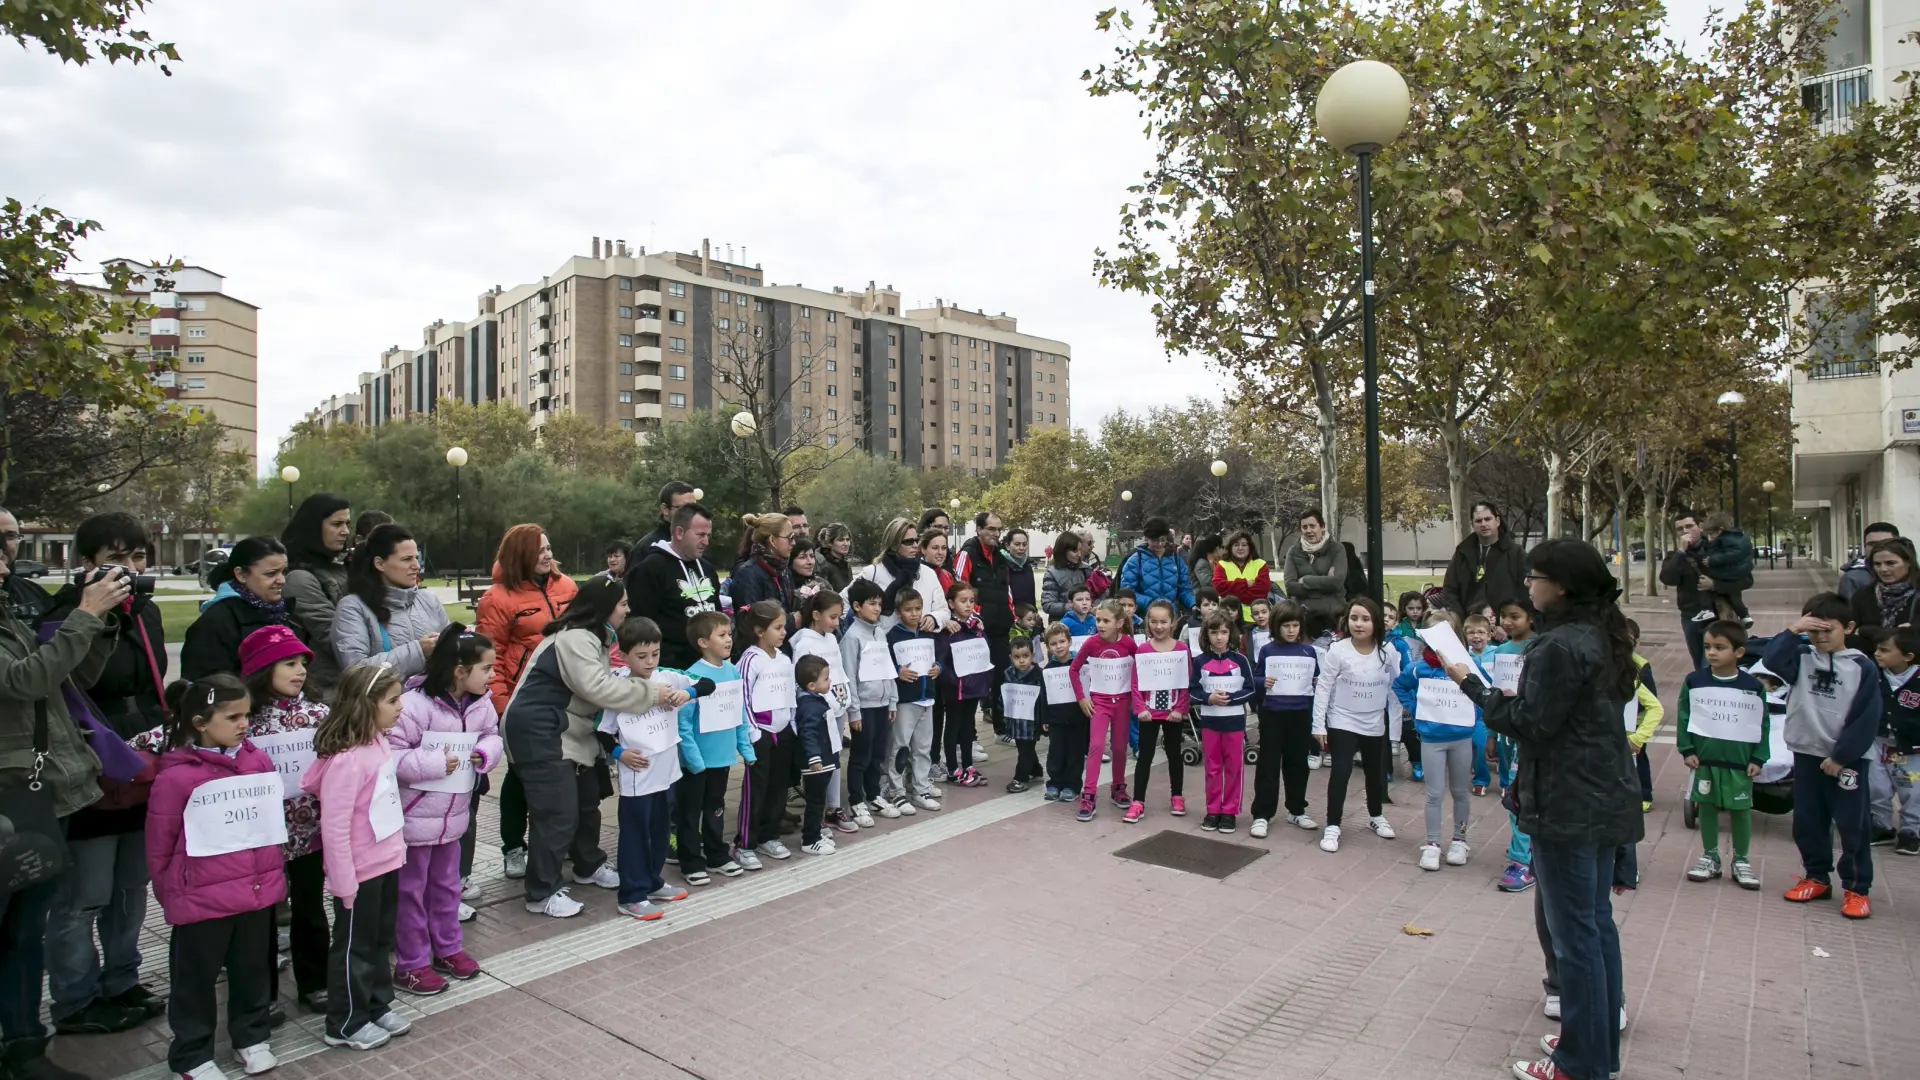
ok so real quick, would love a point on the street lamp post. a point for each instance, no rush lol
(291, 475)
(1773, 549)
(1361, 109)
(1734, 399)
(457, 457)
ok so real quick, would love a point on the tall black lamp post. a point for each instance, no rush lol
(1773, 549)
(291, 475)
(457, 457)
(1733, 399)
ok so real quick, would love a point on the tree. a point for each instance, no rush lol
(79, 31)
(693, 451)
(1055, 480)
(59, 455)
(758, 370)
(491, 432)
(861, 492)
(578, 444)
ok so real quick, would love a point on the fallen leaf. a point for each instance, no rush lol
(1413, 931)
(1818, 951)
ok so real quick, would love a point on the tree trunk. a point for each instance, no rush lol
(1649, 531)
(1624, 552)
(1454, 440)
(1556, 484)
(1329, 451)
(1586, 506)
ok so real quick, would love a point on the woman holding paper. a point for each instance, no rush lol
(1446, 721)
(1353, 705)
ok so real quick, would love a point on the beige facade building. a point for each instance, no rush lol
(633, 340)
(214, 340)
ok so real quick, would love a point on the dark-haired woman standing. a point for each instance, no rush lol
(252, 594)
(386, 617)
(1579, 798)
(316, 542)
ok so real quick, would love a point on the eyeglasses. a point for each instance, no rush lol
(1531, 578)
(10, 537)
(909, 541)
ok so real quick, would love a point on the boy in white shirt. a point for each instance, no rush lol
(647, 747)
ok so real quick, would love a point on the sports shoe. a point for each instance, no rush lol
(862, 817)
(467, 912)
(796, 797)
(1457, 852)
(924, 802)
(1707, 615)
(468, 890)
(1120, 797)
(102, 1018)
(1259, 829)
(393, 1023)
(1330, 840)
(644, 910)
(1536, 1070)
(1004, 740)
(895, 807)
(1106, 756)
(1313, 761)
(1016, 785)
(1135, 811)
(1429, 856)
(1552, 1007)
(1418, 773)
(458, 966)
(980, 752)
(1210, 823)
(1908, 844)
(1884, 837)
(1380, 828)
(1051, 794)
(1085, 812)
(1646, 806)
(420, 982)
(747, 859)
(699, 877)
(970, 777)
(1705, 868)
(1806, 889)
(257, 1059)
(204, 1071)
(673, 850)
(516, 863)
(842, 821)
(667, 894)
(1302, 821)
(558, 906)
(367, 1037)
(1229, 822)
(1856, 905)
(822, 846)
(1518, 877)
(1744, 876)
(603, 875)
(1178, 807)
(774, 849)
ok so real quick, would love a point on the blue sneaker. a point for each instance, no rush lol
(1419, 773)
(1517, 878)
(1052, 794)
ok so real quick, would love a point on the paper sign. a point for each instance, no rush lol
(773, 688)
(1446, 645)
(1441, 702)
(291, 753)
(971, 657)
(875, 663)
(458, 744)
(384, 813)
(235, 813)
(1631, 712)
(1292, 676)
(1161, 670)
(916, 655)
(1506, 671)
(1734, 715)
(1362, 695)
(654, 735)
(1220, 684)
(1193, 640)
(1079, 641)
(833, 738)
(720, 710)
(1018, 700)
(1059, 684)
(1110, 675)
(1257, 640)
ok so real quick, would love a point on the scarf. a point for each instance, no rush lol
(765, 557)
(1315, 549)
(1013, 563)
(1895, 601)
(276, 610)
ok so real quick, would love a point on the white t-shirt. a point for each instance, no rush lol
(1355, 691)
(656, 734)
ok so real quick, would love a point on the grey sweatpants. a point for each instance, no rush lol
(1884, 781)
(912, 732)
(1448, 765)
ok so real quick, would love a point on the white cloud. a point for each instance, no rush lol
(361, 169)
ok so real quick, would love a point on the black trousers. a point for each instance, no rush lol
(563, 816)
(1067, 752)
(1645, 768)
(1000, 651)
(243, 945)
(1286, 738)
(307, 934)
(766, 801)
(1027, 765)
(1409, 738)
(815, 785)
(867, 756)
(360, 964)
(959, 733)
(1170, 735)
(1820, 808)
(513, 811)
(1341, 743)
(699, 815)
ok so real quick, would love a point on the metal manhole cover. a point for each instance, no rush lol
(1192, 854)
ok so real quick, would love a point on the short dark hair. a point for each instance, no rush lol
(791, 511)
(615, 547)
(683, 517)
(368, 521)
(1313, 514)
(702, 626)
(1156, 528)
(638, 630)
(1828, 606)
(1906, 639)
(863, 590)
(1205, 593)
(673, 489)
(808, 668)
(1083, 587)
(1882, 527)
(1728, 631)
(103, 532)
(1282, 613)
(1124, 593)
(1019, 641)
(1684, 514)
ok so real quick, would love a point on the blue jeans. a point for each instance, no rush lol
(1575, 882)
(1695, 633)
(107, 885)
(1480, 777)
(23, 955)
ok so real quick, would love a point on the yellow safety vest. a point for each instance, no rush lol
(1249, 573)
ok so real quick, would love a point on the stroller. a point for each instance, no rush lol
(1190, 748)
(1773, 788)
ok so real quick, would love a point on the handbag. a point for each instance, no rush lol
(33, 849)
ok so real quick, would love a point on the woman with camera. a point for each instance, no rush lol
(48, 773)
(252, 594)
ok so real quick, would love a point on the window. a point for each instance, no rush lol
(856, 371)
(724, 323)
(856, 348)
(196, 384)
(626, 341)
(954, 363)
(973, 451)
(675, 315)
(1051, 418)
(833, 316)
(833, 414)
(678, 401)
(892, 340)
(626, 312)
(626, 284)
(891, 385)
(756, 330)
(626, 397)
(956, 384)
(893, 433)
(806, 312)
(1039, 394)
(676, 288)
(196, 358)
(956, 429)
(988, 409)
(956, 339)
(1053, 398)
(988, 452)
(987, 367)
(956, 406)
(739, 299)
(972, 429)
(676, 371)
(626, 369)
(1036, 376)
(806, 386)
(973, 408)
(973, 343)
(833, 440)
(806, 335)
(973, 365)
(833, 341)
(832, 390)
(973, 388)
(1051, 377)
(892, 364)
(626, 425)
(721, 298)
(806, 411)
(857, 324)
(676, 344)
(833, 365)
(198, 303)
(956, 450)
(196, 331)
(893, 410)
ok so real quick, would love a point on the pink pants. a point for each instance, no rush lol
(1110, 723)
(427, 923)
(1225, 755)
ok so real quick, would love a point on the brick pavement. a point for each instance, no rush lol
(1018, 946)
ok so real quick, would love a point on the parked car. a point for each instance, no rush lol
(27, 568)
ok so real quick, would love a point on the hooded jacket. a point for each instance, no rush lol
(127, 695)
(1486, 577)
(196, 888)
(1157, 577)
(438, 817)
(31, 673)
(1057, 586)
(314, 591)
(703, 750)
(987, 571)
(1834, 701)
(344, 783)
(1425, 665)
(359, 638)
(1318, 579)
(303, 810)
(513, 618)
(867, 693)
(1729, 559)
(569, 678)
(213, 641)
(813, 718)
(671, 590)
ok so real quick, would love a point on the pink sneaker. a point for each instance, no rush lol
(459, 966)
(421, 981)
(1135, 812)
(1179, 807)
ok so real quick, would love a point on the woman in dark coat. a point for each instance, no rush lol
(251, 594)
(1894, 597)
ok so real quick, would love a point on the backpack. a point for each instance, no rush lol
(1356, 572)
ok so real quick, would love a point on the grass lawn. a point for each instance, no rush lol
(180, 614)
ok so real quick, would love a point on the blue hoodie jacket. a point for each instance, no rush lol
(1079, 627)
(921, 689)
(700, 751)
(1153, 578)
(1407, 689)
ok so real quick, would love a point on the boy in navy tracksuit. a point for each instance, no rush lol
(961, 695)
(1026, 733)
(1066, 724)
(818, 752)
(1833, 715)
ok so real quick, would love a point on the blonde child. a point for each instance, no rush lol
(1222, 684)
(707, 757)
(1102, 677)
(771, 698)
(1162, 715)
(1478, 632)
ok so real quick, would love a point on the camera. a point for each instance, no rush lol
(142, 584)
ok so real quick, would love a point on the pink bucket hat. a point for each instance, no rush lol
(268, 646)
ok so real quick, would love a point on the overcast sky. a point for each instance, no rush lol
(359, 169)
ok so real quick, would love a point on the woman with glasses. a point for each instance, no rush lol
(899, 560)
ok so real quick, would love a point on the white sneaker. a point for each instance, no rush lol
(1330, 840)
(730, 868)
(979, 753)
(1302, 821)
(1429, 856)
(1457, 853)
(1106, 756)
(862, 816)
(468, 890)
(1313, 761)
(393, 1023)
(1623, 1018)
(774, 849)
(557, 906)
(516, 861)
(924, 802)
(1552, 1008)
(368, 1037)
(893, 810)
(1380, 828)
(822, 846)
(603, 875)
(256, 1059)
(467, 912)
(747, 860)
(1259, 830)
(206, 1071)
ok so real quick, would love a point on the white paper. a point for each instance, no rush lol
(1139, 639)
(1220, 684)
(720, 710)
(384, 813)
(876, 664)
(971, 657)
(1109, 675)
(833, 738)
(1257, 640)
(460, 744)
(1507, 667)
(1075, 643)
(1441, 702)
(291, 753)
(1447, 646)
(1631, 712)
(1161, 670)
(235, 813)
(1361, 695)
(1292, 676)
(1716, 713)
(1018, 700)
(1059, 684)
(915, 655)
(773, 687)
(1193, 640)
(655, 735)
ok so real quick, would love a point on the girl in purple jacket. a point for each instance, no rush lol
(448, 734)
(215, 825)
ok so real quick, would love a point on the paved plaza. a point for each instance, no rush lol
(1000, 937)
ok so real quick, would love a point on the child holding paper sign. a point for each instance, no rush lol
(1723, 739)
(911, 763)
(1446, 720)
(1222, 685)
(1102, 674)
(1066, 724)
(646, 748)
(1353, 706)
(1160, 697)
(1021, 688)
(712, 738)
(1516, 621)
(447, 734)
(876, 695)
(966, 678)
(214, 830)
(771, 700)
(1286, 668)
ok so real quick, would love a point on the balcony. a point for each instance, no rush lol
(647, 382)
(542, 310)
(647, 410)
(164, 301)
(538, 364)
(1832, 98)
(647, 354)
(165, 327)
(539, 335)
(647, 326)
(647, 297)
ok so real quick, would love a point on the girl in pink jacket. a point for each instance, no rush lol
(214, 830)
(448, 734)
(361, 843)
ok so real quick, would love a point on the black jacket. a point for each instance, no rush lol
(127, 693)
(1681, 572)
(816, 745)
(1576, 782)
(213, 641)
(838, 572)
(25, 598)
(671, 591)
(987, 573)
(752, 581)
(662, 530)
(1866, 613)
(1477, 579)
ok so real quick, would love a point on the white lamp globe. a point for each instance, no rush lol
(1219, 467)
(953, 504)
(290, 474)
(1362, 107)
(456, 456)
(698, 494)
(1769, 487)
(1732, 397)
(1126, 496)
(743, 424)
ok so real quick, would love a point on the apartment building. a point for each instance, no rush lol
(1856, 456)
(214, 340)
(634, 340)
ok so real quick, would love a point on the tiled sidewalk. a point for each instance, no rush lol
(1012, 943)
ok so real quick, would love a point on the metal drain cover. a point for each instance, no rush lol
(1192, 854)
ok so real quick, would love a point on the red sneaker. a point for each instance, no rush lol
(1179, 807)
(1806, 889)
(1856, 905)
(420, 981)
(459, 966)
(1536, 1070)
